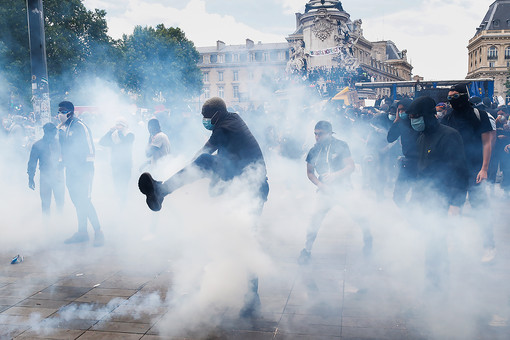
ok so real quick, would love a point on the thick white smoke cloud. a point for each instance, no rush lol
(211, 246)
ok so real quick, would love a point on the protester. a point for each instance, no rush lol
(328, 166)
(46, 152)
(408, 164)
(237, 152)
(78, 152)
(120, 140)
(158, 145)
(477, 135)
(442, 181)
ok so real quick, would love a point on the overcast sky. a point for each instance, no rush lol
(434, 32)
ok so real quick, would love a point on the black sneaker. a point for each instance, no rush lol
(304, 257)
(99, 239)
(78, 237)
(149, 187)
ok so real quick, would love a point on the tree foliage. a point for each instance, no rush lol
(159, 64)
(152, 62)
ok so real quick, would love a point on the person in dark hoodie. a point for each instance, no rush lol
(78, 153)
(46, 151)
(441, 167)
(478, 135)
(401, 127)
(441, 184)
(237, 152)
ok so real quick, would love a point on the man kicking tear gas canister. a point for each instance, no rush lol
(237, 151)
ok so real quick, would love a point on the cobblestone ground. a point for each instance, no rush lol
(340, 294)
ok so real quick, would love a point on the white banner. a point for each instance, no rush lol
(326, 51)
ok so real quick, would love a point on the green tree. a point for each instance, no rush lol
(159, 64)
(77, 44)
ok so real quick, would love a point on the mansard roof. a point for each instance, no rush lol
(497, 17)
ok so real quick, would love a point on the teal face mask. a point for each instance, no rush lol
(206, 122)
(418, 124)
(392, 117)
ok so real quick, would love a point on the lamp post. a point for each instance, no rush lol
(40, 88)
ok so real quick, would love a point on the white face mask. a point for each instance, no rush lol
(439, 114)
(62, 117)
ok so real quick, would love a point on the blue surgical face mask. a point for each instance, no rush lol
(207, 123)
(403, 115)
(392, 117)
(418, 124)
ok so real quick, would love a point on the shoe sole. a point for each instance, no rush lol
(146, 186)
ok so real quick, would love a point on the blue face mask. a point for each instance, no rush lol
(418, 124)
(207, 123)
(403, 115)
(392, 117)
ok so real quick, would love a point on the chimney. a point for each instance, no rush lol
(220, 45)
(249, 43)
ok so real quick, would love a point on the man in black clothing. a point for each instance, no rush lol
(441, 184)
(238, 152)
(477, 135)
(46, 151)
(401, 127)
(78, 153)
(441, 167)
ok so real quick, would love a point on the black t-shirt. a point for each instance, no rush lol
(471, 129)
(235, 142)
(328, 157)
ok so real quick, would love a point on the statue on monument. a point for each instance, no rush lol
(297, 58)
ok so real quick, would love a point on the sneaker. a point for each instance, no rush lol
(304, 257)
(489, 255)
(149, 187)
(99, 239)
(78, 237)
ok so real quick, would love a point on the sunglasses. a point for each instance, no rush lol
(456, 96)
(318, 134)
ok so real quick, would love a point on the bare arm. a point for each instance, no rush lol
(487, 138)
(344, 172)
(310, 172)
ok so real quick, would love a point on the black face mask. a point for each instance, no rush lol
(460, 103)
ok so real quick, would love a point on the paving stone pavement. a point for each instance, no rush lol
(340, 294)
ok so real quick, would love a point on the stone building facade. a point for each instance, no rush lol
(325, 37)
(489, 49)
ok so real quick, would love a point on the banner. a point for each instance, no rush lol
(326, 51)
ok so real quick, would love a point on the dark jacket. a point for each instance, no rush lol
(47, 153)
(442, 167)
(408, 136)
(76, 144)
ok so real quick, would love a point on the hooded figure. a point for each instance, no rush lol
(442, 166)
(401, 127)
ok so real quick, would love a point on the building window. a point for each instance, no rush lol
(492, 64)
(235, 58)
(507, 52)
(252, 56)
(492, 53)
(221, 58)
(496, 23)
(266, 56)
(220, 76)
(207, 59)
(236, 75)
(281, 55)
(206, 92)
(206, 77)
(236, 91)
(221, 91)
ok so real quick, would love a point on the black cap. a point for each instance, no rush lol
(67, 105)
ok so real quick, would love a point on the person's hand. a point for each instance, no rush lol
(507, 148)
(482, 176)
(453, 211)
(31, 183)
(328, 178)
